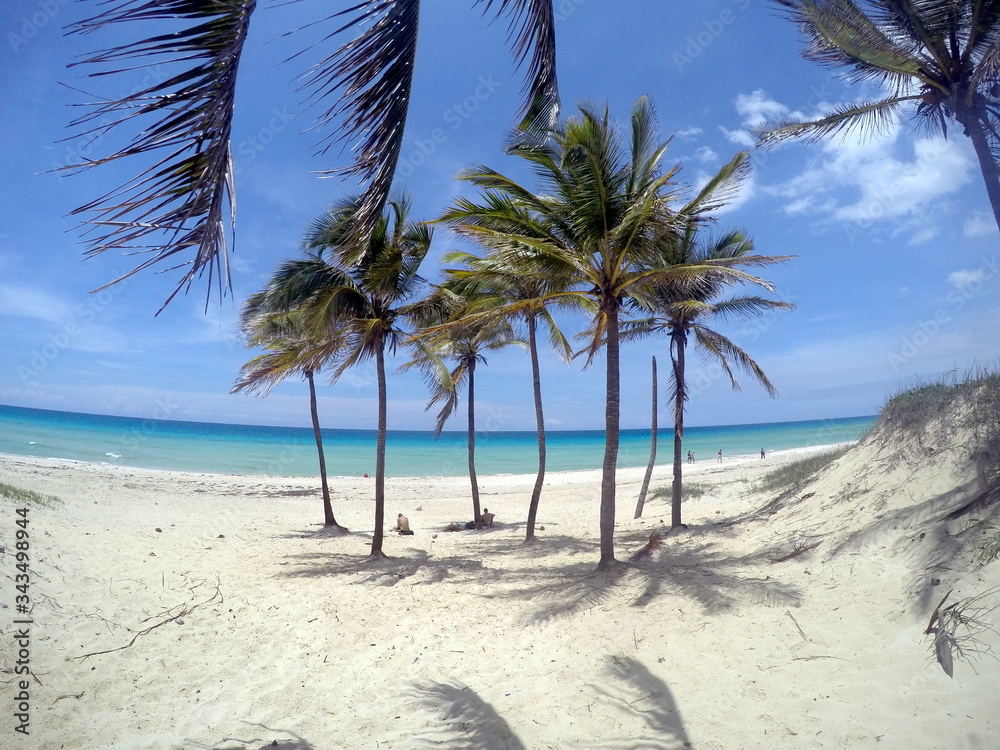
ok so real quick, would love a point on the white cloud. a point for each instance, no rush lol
(689, 133)
(980, 224)
(32, 303)
(865, 181)
(926, 234)
(707, 155)
(757, 108)
(739, 137)
(964, 278)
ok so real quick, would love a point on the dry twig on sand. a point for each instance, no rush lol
(185, 610)
(800, 547)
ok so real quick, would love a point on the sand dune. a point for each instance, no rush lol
(227, 624)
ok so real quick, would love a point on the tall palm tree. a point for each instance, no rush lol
(182, 125)
(938, 60)
(462, 346)
(652, 445)
(597, 220)
(492, 279)
(682, 307)
(292, 349)
(364, 294)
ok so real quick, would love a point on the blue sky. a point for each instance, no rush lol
(896, 274)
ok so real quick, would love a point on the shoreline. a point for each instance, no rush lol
(12, 459)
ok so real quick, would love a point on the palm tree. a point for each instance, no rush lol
(363, 294)
(291, 349)
(939, 61)
(463, 345)
(489, 278)
(681, 308)
(600, 214)
(652, 447)
(181, 126)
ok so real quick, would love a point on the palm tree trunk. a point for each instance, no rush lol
(611, 425)
(380, 457)
(987, 165)
(536, 382)
(652, 453)
(472, 445)
(328, 519)
(680, 392)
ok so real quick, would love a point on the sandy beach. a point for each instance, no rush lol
(174, 610)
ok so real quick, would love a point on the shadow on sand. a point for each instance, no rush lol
(639, 694)
(467, 721)
(687, 566)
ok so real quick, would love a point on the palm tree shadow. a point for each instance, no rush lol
(388, 571)
(717, 581)
(634, 686)
(697, 570)
(467, 721)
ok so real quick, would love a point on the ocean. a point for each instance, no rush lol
(291, 451)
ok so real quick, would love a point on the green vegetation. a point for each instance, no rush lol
(27, 497)
(690, 491)
(988, 550)
(914, 408)
(795, 474)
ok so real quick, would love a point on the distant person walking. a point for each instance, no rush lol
(762, 454)
(720, 456)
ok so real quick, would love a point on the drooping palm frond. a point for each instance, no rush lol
(178, 204)
(532, 32)
(721, 350)
(369, 81)
(865, 117)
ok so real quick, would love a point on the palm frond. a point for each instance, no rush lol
(531, 32)
(876, 116)
(840, 34)
(177, 205)
(721, 350)
(369, 79)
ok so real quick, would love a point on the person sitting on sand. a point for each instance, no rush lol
(488, 517)
(403, 525)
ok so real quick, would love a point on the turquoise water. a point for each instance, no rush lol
(291, 451)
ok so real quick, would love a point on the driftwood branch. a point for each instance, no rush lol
(186, 610)
(798, 549)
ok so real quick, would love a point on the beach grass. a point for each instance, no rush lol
(27, 497)
(989, 549)
(795, 474)
(689, 491)
(913, 408)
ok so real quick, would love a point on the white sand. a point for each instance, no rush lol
(473, 640)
